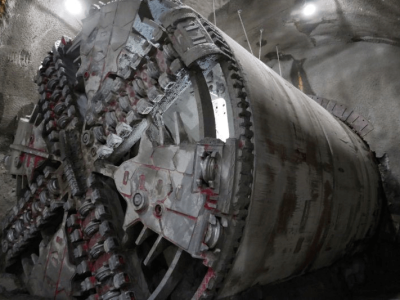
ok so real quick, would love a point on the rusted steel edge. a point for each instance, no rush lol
(350, 117)
(28, 150)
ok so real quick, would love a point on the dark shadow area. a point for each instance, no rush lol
(372, 274)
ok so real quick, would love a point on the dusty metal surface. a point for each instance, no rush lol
(316, 183)
(159, 143)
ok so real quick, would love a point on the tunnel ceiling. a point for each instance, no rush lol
(285, 25)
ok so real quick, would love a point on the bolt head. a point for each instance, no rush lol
(54, 183)
(93, 152)
(137, 199)
(158, 211)
(87, 138)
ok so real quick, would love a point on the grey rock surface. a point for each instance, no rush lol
(9, 282)
(29, 31)
(10, 288)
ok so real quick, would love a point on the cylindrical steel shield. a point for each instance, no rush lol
(315, 183)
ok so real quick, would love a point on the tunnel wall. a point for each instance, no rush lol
(29, 30)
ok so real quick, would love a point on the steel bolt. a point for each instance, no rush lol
(87, 138)
(93, 151)
(213, 234)
(137, 199)
(158, 210)
(53, 186)
(63, 121)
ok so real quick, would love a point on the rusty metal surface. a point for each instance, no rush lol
(357, 122)
(315, 189)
